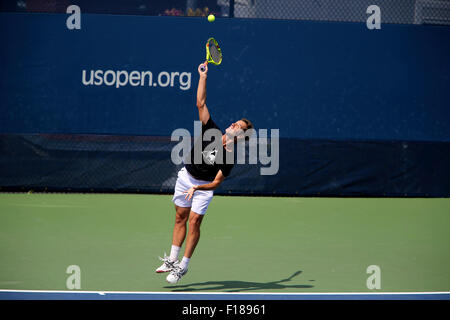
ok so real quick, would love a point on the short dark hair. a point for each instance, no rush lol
(248, 123)
(249, 126)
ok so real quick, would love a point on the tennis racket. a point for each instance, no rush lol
(213, 53)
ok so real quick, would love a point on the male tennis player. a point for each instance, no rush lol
(196, 183)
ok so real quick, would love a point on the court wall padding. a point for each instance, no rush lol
(87, 163)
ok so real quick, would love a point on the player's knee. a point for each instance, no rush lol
(195, 222)
(180, 220)
(181, 217)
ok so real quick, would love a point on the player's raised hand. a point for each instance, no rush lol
(203, 68)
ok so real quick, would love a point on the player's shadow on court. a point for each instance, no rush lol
(238, 286)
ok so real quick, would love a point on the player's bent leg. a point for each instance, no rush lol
(195, 221)
(179, 233)
(199, 204)
(179, 230)
(182, 209)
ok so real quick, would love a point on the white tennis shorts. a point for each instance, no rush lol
(201, 199)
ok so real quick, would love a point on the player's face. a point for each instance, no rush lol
(236, 129)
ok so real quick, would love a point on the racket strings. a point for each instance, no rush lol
(216, 55)
(214, 51)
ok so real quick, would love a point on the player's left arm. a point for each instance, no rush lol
(203, 111)
(209, 186)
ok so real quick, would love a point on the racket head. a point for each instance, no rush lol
(213, 52)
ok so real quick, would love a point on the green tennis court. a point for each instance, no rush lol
(248, 244)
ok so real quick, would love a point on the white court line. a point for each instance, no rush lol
(226, 293)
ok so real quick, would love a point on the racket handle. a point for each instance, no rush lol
(203, 67)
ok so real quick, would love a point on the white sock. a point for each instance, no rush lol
(184, 263)
(174, 251)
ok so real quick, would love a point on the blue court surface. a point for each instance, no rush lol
(124, 295)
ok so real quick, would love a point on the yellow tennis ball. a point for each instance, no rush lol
(211, 18)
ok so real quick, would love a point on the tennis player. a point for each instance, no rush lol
(196, 183)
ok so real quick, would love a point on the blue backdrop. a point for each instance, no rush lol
(313, 81)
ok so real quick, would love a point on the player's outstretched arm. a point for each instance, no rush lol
(203, 111)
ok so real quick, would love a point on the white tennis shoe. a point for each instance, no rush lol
(167, 265)
(176, 274)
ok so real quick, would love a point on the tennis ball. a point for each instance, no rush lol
(211, 18)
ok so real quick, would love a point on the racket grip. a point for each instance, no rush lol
(202, 68)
